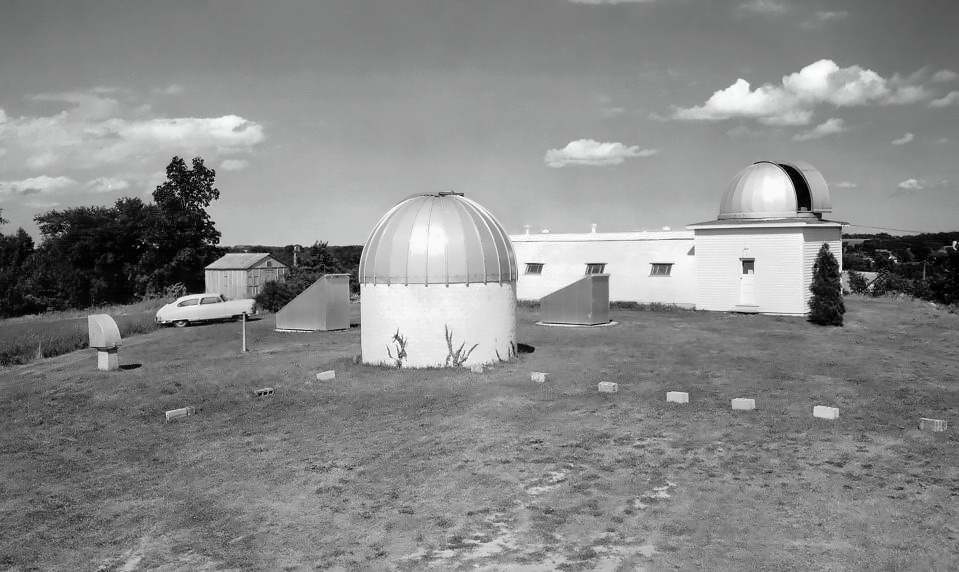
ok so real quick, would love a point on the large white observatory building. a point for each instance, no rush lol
(438, 284)
(756, 257)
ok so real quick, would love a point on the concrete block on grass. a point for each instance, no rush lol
(825, 412)
(743, 404)
(608, 387)
(934, 425)
(477, 368)
(677, 397)
(263, 392)
(326, 375)
(177, 413)
(538, 376)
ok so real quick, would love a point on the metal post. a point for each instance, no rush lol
(244, 332)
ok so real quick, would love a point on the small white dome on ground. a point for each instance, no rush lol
(437, 286)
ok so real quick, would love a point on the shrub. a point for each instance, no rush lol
(857, 283)
(826, 306)
(275, 295)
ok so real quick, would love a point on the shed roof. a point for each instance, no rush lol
(241, 261)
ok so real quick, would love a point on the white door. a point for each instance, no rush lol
(747, 283)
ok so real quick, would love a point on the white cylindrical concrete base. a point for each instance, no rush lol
(437, 325)
(108, 359)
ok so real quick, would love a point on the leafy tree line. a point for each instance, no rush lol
(96, 255)
(921, 265)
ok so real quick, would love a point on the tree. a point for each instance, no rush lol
(183, 238)
(826, 306)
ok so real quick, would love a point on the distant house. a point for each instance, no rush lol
(242, 275)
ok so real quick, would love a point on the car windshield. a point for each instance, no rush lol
(190, 302)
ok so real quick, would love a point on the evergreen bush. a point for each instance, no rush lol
(826, 306)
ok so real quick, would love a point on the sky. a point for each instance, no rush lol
(318, 116)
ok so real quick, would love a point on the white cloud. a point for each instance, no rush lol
(34, 185)
(172, 89)
(912, 185)
(845, 185)
(763, 7)
(594, 153)
(106, 185)
(951, 98)
(794, 100)
(41, 160)
(822, 17)
(234, 164)
(831, 16)
(610, 2)
(943, 76)
(93, 131)
(904, 139)
(828, 127)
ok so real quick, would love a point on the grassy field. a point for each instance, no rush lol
(405, 470)
(26, 338)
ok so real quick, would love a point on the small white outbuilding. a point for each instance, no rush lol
(758, 255)
(437, 286)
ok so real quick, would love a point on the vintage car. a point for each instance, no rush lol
(204, 308)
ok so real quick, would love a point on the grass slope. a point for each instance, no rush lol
(387, 469)
(26, 338)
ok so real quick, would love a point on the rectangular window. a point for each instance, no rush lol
(661, 269)
(595, 267)
(534, 267)
(749, 266)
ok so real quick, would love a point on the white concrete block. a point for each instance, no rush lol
(326, 375)
(744, 404)
(608, 387)
(182, 412)
(108, 360)
(677, 397)
(477, 368)
(825, 412)
(934, 425)
(538, 376)
(263, 392)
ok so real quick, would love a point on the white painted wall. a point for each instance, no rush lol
(628, 257)
(779, 277)
(813, 239)
(483, 314)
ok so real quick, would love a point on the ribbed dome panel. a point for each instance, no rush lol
(437, 239)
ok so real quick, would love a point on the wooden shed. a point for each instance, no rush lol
(242, 275)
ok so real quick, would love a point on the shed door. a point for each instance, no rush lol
(747, 282)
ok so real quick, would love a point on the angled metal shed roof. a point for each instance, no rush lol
(441, 238)
(241, 261)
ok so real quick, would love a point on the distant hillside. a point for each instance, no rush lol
(346, 254)
(909, 248)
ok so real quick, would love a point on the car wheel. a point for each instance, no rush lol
(181, 323)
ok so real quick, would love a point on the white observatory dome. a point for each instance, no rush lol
(443, 238)
(767, 190)
(437, 285)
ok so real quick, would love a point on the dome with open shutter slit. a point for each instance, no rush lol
(774, 190)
